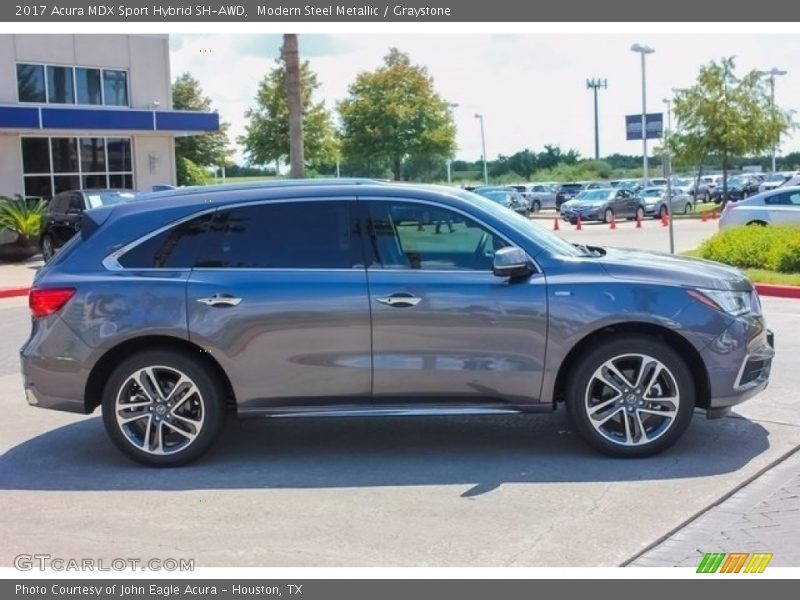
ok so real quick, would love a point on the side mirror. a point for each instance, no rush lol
(512, 262)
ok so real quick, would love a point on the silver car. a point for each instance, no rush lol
(776, 207)
(539, 195)
(655, 202)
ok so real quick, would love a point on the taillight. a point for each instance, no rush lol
(43, 302)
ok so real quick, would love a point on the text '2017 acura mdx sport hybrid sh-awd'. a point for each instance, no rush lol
(351, 297)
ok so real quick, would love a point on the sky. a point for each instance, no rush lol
(530, 88)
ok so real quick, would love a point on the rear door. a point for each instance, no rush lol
(444, 328)
(784, 208)
(278, 295)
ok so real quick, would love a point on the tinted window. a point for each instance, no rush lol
(35, 155)
(420, 236)
(786, 199)
(57, 204)
(75, 202)
(30, 83)
(284, 235)
(59, 85)
(88, 86)
(115, 87)
(173, 248)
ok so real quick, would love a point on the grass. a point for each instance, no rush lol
(761, 275)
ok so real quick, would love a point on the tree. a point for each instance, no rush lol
(723, 116)
(294, 101)
(393, 117)
(206, 150)
(266, 138)
(189, 173)
(523, 163)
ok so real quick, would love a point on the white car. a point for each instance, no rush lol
(776, 207)
(775, 180)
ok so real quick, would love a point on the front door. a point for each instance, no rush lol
(445, 329)
(279, 297)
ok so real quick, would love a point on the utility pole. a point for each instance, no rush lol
(594, 85)
(773, 73)
(643, 51)
(483, 147)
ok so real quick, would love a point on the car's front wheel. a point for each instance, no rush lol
(631, 396)
(608, 215)
(163, 408)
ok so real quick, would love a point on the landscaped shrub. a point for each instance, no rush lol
(755, 247)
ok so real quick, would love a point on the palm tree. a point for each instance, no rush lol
(294, 98)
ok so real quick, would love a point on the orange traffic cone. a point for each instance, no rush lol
(714, 214)
(704, 216)
(638, 221)
(613, 222)
(578, 226)
(664, 219)
(555, 224)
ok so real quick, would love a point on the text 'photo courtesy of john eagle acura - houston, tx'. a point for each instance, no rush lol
(350, 297)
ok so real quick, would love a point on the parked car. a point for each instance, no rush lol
(775, 180)
(508, 197)
(63, 217)
(656, 203)
(567, 191)
(307, 299)
(775, 207)
(739, 186)
(658, 181)
(603, 204)
(539, 195)
(633, 185)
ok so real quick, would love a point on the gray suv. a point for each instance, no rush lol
(352, 297)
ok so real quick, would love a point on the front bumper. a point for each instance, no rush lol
(739, 362)
(586, 214)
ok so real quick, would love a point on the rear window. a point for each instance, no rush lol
(173, 248)
(571, 187)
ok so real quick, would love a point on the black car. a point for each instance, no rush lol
(567, 191)
(62, 219)
(739, 187)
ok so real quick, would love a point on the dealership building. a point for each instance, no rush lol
(88, 111)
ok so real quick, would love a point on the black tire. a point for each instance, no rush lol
(663, 212)
(607, 215)
(582, 386)
(48, 248)
(689, 208)
(639, 216)
(536, 206)
(211, 402)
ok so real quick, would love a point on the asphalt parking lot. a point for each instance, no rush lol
(506, 491)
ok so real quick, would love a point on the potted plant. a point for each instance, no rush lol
(20, 224)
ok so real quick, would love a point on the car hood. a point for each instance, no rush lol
(658, 267)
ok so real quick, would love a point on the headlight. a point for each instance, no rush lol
(732, 303)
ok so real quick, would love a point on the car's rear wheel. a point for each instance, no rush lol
(688, 208)
(631, 396)
(608, 215)
(163, 408)
(48, 248)
(639, 213)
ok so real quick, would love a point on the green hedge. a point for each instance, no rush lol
(756, 247)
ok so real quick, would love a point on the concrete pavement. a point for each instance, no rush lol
(508, 491)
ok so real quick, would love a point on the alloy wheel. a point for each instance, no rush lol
(632, 399)
(160, 410)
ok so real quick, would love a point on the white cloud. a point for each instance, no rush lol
(530, 88)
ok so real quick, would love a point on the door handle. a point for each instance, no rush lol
(400, 300)
(220, 300)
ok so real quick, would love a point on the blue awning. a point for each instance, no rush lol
(26, 118)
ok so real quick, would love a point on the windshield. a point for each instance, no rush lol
(496, 196)
(594, 195)
(97, 199)
(681, 182)
(571, 187)
(778, 177)
(652, 192)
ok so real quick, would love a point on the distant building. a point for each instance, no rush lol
(88, 111)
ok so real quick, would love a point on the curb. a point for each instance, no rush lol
(778, 291)
(14, 292)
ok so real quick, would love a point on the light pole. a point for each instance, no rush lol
(644, 51)
(483, 148)
(450, 107)
(594, 85)
(668, 173)
(772, 74)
